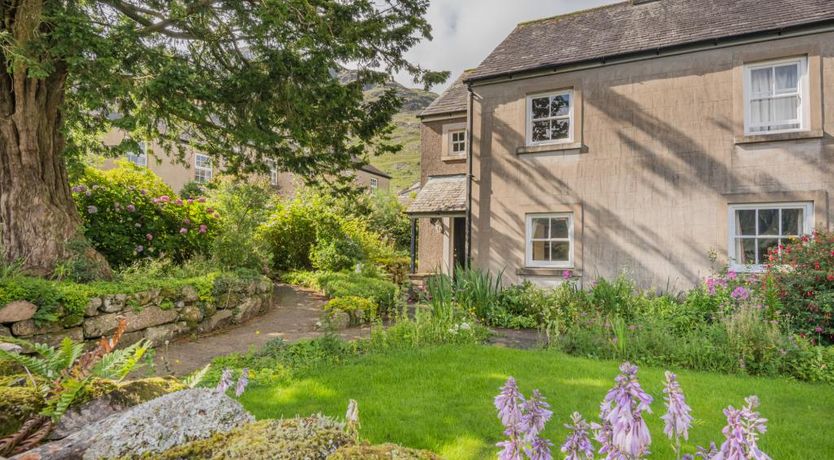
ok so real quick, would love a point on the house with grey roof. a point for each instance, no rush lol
(661, 138)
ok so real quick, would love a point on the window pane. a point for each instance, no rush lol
(558, 228)
(746, 222)
(560, 251)
(541, 251)
(787, 78)
(540, 226)
(792, 222)
(768, 221)
(559, 129)
(766, 244)
(761, 81)
(540, 131)
(541, 107)
(760, 112)
(560, 105)
(785, 109)
(746, 251)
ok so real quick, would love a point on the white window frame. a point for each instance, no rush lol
(207, 171)
(453, 142)
(802, 92)
(141, 155)
(807, 229)
(569, 117)
(373, 183)
(528, 238)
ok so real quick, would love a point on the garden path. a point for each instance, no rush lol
(293, 316)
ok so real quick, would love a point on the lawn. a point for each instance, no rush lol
(441, 399)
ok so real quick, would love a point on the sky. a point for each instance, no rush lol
(465, 31)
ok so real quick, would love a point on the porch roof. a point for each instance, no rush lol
(441, 195)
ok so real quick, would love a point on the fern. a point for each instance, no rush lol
(117, 364)
(194, 379)
(35, 366)
(70, 391)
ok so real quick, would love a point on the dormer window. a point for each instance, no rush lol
(550, 118)
(139, 158)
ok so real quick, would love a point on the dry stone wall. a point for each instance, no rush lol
(154, 315)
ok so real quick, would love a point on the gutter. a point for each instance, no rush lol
(469, 125)
(642, 55)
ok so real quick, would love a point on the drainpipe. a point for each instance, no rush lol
(469, 176)
(413, 246)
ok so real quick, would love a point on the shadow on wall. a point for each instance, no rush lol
(668, 164)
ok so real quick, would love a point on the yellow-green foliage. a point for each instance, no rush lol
(382, 452)
(134, 392)
(310, 438)
(357, 308)
(17, 403)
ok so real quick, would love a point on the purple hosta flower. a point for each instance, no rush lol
(604, 433)
(742, 432)
(740, 293)
(203, 228)
(92, 209)
(628, 401)
(148, 236)
(566, 275)
(242, 381)
(704, 453)
(131, 208)
(677, 418)
(225, 381)
(183, 230)
(535, 414)
(508, 403)
(511, 449)
(578, 445)
(140, 248)
(539, 449)
(79, 189)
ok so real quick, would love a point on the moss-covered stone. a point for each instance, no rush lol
(17, 403)
(310, 438)
(382, 452)
(133, 392)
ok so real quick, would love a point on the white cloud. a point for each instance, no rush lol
(465, 31)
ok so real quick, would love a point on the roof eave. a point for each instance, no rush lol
(730, 40)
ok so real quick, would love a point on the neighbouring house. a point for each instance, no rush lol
(197, 167)
(662, 138)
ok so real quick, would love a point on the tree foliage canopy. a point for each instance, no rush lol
(222, 76)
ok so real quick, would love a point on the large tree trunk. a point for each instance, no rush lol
(37, 214)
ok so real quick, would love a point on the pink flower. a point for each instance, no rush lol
(190, 201)
(178, 202)
(183, 230)
(186, 221)
(164, 198)
(203, 228)
(731, 275)
(149, 237)
(740, 293)
(209, 210)
(143, 192)
(131, 208)
(140, 248)
(201, 200)
(818, 329)
(566, 275)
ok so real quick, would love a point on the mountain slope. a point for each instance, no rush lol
(403, 166)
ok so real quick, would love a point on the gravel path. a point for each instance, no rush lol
(293, 316)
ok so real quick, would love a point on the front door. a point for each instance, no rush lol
(458, 242)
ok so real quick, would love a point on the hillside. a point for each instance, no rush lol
(403, 166)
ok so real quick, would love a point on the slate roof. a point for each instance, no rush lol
(440, 195)
(374, 170)
(454, 99)
(623, 28)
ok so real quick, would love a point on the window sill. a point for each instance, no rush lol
(528, 149)
(547, 271)
(453, 158)
(796, 135)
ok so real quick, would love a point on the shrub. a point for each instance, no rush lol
(243, 208)
(383, 293)
(802, 276)
(357, 308)
(336, 254)
(130, 214)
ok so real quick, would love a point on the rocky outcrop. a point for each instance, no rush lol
(152, 427)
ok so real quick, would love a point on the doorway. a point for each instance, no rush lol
(459, 242)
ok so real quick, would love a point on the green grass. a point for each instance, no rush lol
(441, 399)
(403, 166)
